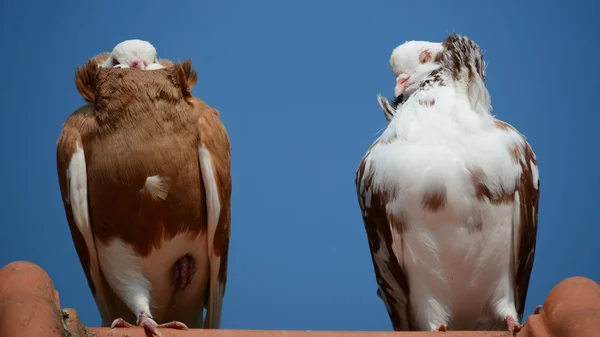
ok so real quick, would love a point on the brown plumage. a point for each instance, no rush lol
(144, 172)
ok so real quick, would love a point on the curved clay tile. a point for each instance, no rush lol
(572, 309)
(29, 303)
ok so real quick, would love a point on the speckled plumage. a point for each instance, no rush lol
(449, 197)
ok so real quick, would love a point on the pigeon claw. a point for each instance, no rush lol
(442, 328)
(121, 323)
(513, 325)
(537, 310)
(148, 324)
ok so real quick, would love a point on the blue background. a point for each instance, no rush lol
(296, 85)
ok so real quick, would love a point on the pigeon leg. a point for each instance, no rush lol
(513, 325)
(537, 310)
(148, 324)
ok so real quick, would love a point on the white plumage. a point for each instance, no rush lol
(412, 62)
(389, 107)
(133, 54)
(410, 70)
(449, 197)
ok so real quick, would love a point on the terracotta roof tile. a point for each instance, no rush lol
(29, 303)
(29, 306)
(572, 309)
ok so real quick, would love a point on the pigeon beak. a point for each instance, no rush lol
(401, 84)
(139, 63)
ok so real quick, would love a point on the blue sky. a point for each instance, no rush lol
(296, 84)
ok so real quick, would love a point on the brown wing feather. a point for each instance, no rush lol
(529, 198)
(378, 223)
(75, 127)
(213, 136)
(388, 110)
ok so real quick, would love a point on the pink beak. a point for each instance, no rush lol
(401, 84)
(139, 63)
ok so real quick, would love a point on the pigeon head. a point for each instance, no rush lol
(412, 62)
(132, 54)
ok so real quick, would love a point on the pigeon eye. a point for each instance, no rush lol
(115, 62)
(424, 57)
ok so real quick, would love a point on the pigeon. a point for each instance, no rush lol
(449, 198)
(144, 175)
(133, 54)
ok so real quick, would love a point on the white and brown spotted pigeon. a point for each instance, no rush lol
(144, 174)
(449, 198)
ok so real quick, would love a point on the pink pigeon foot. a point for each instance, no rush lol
(442, 328)
(513, 325)
(537, 310)
(148, 324)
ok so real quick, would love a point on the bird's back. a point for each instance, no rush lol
(142, 161)
(135, 166)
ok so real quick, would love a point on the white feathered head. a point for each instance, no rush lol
(133, 54)
(412, 62)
